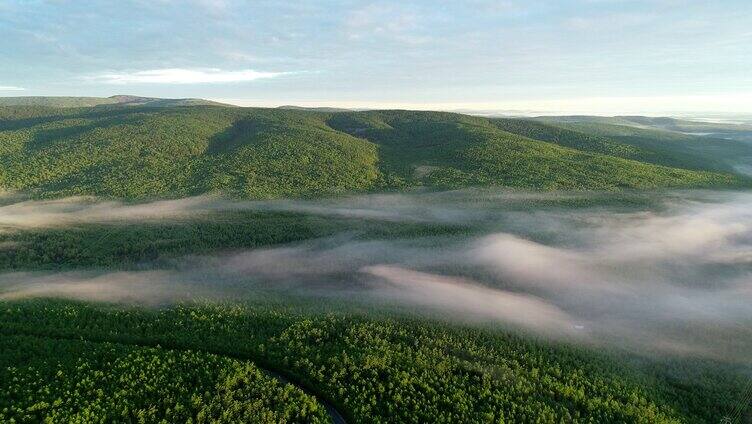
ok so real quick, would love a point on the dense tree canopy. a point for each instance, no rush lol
(375, 369)
(48, 380)
(144, 152)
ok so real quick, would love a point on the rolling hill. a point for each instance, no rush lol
(143, 152)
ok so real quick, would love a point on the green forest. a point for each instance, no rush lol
(277, 321)
(141, 152)
(374, 369)
(72, 380)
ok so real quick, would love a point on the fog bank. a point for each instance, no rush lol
(669, 274)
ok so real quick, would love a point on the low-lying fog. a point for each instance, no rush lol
(672, 277)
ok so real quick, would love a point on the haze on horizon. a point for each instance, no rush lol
(607, 57)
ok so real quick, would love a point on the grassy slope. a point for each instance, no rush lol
(141, 152)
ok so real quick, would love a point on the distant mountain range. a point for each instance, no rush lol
(124, 100)
(316, 109)
(705, 128)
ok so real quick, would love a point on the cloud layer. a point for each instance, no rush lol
(183, 76)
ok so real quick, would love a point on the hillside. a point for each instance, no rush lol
(661, 139)
(65, 102)
(643, 144)
(142, 151)
(450, 150)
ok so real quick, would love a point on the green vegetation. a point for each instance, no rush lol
(665, 141)
(138, 152)
(449, 150)
(125, 245)
(563, 137)
(68, 361)
(53, 380)
(133, 244)
(149, 152)
(75, 362)
(374, 368)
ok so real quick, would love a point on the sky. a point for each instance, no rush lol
(506, 56)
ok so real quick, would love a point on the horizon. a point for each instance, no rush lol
(653, 58)
(461, 108)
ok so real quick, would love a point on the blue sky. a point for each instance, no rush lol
(605, 56)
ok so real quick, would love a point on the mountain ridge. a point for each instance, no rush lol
(141, 151)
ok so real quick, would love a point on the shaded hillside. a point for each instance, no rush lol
(450, 150)
(569, 138)
(139, 152)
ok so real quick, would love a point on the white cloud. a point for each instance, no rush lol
(11, 88)
(183, 76)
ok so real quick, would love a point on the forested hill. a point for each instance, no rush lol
(144, 152)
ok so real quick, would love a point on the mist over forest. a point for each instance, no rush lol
(379, 266)
(655, 273)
